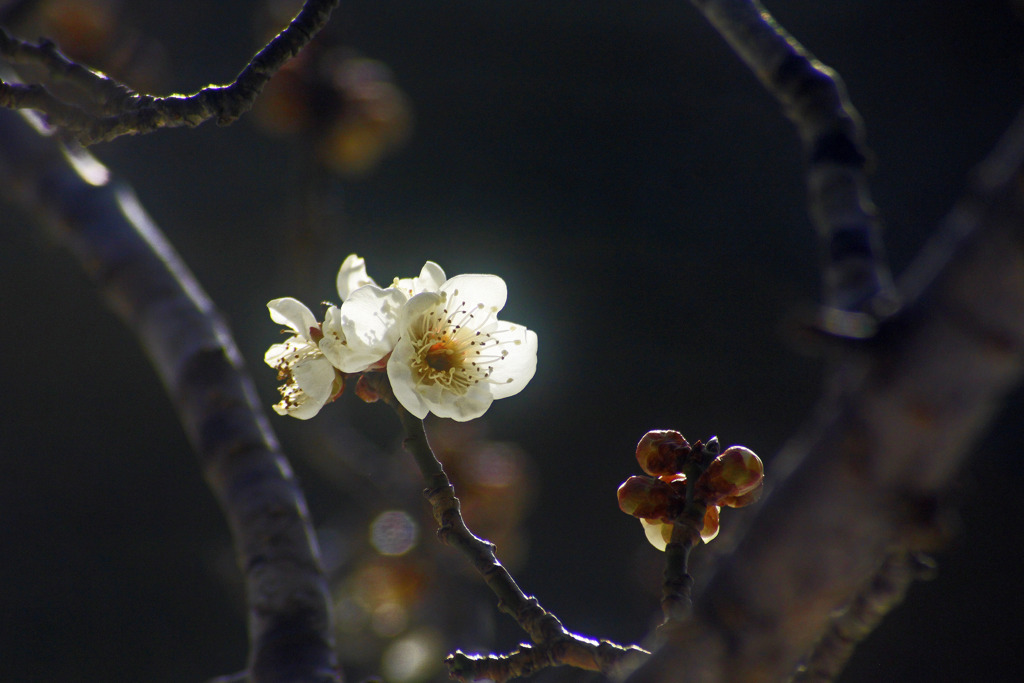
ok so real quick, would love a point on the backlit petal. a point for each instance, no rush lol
(352, 275)
(486, 291)
(431, 278)
(658, 533)
(369, 318)
(516, 369)
(403, 383)
(294, 314)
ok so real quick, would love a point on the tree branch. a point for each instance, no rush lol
(122, 111)
(856, 277)
(865, 480)
(883, 593)
(104, 91)
(556, 645)
(141, 277)
(867, 476)
(603, 656)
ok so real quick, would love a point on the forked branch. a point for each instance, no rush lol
(555, 645)
(118, 110)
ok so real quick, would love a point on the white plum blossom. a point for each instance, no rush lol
(454, 357)
(441, 341)
(365, 328)
(352, 338)
(310, 379)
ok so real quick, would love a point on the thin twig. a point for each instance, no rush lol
(677, 589)
(555, 644)
(601, 656)
(138, 113)
(676, 600)
(142, 278)
(856, 276)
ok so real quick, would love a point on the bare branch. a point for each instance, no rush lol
(604, 656)
(556, 644)
(101, 222)
(856, 276)
(104, 91)
(125, 112)
(883, 593)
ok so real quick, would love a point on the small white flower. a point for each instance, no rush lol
(310, 380)
(365, 329)
(454, 357)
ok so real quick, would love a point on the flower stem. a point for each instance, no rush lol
(677, 590)
(556, 644)
(452, 530)
(676, 600)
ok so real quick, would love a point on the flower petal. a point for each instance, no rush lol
(468, 406)
(431, 278)
(413, 311)
(710, 530)
(352, 275)
(333, 345)
(294, 314)
(515, 370)
(289, 351)
(403, 381)
(484, 291)
(658, 533)
(369, 317)
(345, 352)
(315, 377)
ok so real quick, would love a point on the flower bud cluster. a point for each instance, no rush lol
(733, 478)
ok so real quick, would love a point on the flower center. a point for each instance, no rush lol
(443, 355)
(449, 351)
(294, 353)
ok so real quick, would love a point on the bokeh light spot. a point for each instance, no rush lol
(497, 466)
(393, 533)
(412, 658)
(389, 619)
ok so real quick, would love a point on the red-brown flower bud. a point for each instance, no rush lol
(366, 391)
(678, 483)
(733, 474)
(660, 451)
(710, 530)
(746, 499)
(646, 498)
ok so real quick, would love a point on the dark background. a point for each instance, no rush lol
(644, 201)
